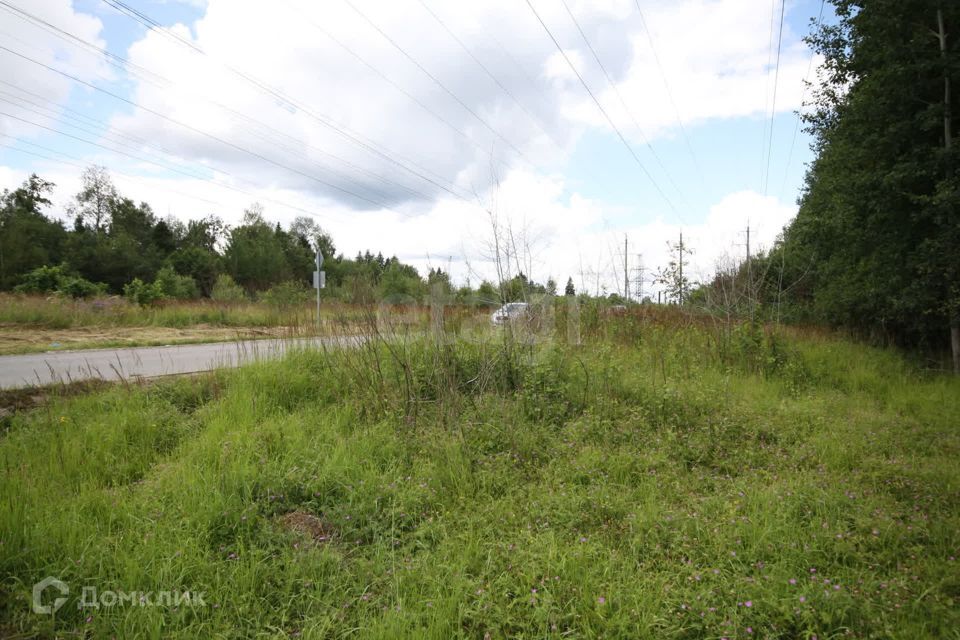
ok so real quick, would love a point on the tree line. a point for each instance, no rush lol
(875, 247)
(117, 246)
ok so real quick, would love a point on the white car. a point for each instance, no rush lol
(510, 312)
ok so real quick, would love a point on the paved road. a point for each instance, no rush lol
(144, 362)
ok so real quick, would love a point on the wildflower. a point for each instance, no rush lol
(749, 629)
(803, 598)
(792, 581)
(748, 603)
(601, 600)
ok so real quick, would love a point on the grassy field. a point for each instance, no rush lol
(30, 324)
(55, 312)
(664, 479)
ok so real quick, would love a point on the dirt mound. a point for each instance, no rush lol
(307, 526)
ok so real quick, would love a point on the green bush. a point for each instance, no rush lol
(175, 286)
(226, 290)
(57, 279)
(287, 294)
(41, 280)
(77, 287)
(139, 292)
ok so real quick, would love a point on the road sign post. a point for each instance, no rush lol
(319, 280)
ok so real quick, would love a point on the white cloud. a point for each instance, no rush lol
(714, 52)
(22, 80)
(715, 55)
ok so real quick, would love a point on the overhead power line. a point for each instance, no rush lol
(436, 80)
(74, 39)
(773, 104)
(603, 111)
(211, 136)
(513, 61)
(803, 94)
(39, 110)
(139, 159)
(103, 129)
(106, 131)
(487, 71)
(79, 163)
(383, 76)
(277, 94)
(619, 95)
(164, 83)
(666, 85)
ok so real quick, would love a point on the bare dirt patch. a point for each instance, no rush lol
(16, 400)
(307, 526)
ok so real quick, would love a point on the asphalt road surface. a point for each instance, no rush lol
(54, 367)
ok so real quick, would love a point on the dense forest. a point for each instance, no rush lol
(875, 247)
(120, 247)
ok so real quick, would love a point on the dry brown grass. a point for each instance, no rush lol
(16, 339)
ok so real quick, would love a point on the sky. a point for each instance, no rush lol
(425, 129)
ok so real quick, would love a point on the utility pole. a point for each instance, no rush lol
(947, 146)
(749, 271)
(681, 268)
(319, 280)
(626, 273)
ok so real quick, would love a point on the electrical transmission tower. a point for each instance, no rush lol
(638, 273)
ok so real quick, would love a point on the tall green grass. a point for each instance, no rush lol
(64, 313)
(664, 479)
(56, 312)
